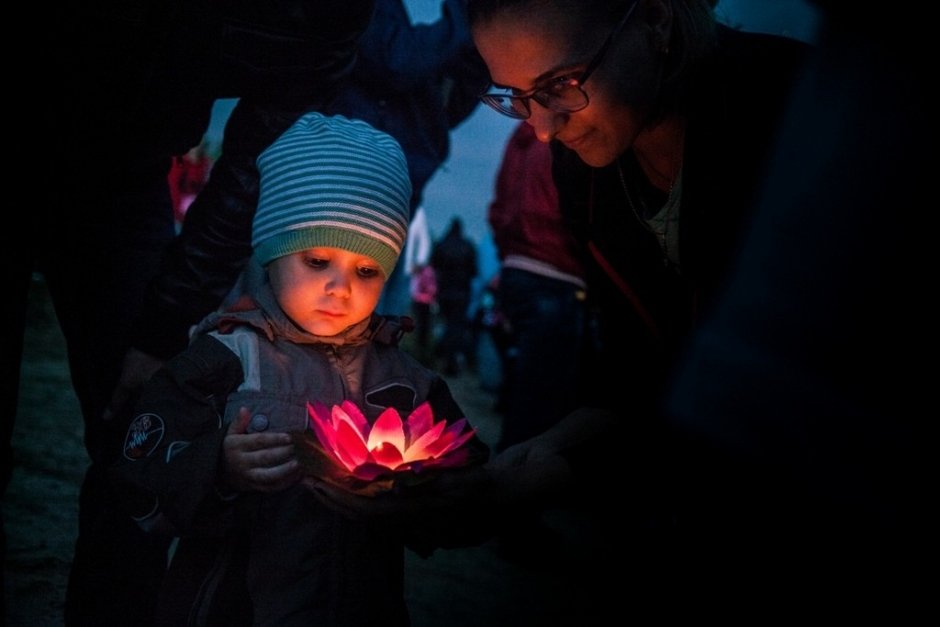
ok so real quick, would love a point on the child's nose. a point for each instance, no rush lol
(338, 284)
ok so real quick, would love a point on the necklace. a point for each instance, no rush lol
(626, 192)
(664, 224)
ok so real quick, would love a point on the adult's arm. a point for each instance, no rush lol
(169, 469)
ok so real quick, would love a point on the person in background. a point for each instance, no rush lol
(143, 77)
(416, 82)
(541, 290)
(210, 454)
(454, 259)
(422, 282)
(541, 293)
(423, 290)
(188, 175)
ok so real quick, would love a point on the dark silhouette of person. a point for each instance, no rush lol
(416, 82)
(130, 85)
(454, 259)
(801, 402)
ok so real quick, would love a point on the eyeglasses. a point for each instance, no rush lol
(563, 94)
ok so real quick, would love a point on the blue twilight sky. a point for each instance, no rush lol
(464, 184)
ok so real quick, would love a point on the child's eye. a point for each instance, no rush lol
(367, 273)
(316, 262)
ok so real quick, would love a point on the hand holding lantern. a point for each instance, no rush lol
(368, 459)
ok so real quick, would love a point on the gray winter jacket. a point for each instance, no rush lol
(298, 562)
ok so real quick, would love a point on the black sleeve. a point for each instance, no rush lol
(168, 466)
(281, 59)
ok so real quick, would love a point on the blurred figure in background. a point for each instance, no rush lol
(423, 288)
(422, 283)
(188, 175)
(416, 82)
(454, 259)
(541, 290)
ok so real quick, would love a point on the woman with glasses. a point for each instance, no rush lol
(659, 119)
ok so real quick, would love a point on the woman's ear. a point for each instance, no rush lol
(657, 16)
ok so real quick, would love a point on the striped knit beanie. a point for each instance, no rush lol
(332, 181)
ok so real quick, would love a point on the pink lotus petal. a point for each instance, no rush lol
(391, 445)
(452, 459)
(388, 428)
(419, 421)
(322, 425)
(386, 454)
(457, 457)
(457, 443)
(319, 410)
(349, 446)
(348, 412)
(352, 410)
(461, 436)
(419, 448)
(450, 435)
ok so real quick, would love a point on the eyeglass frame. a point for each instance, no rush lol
(492, 99)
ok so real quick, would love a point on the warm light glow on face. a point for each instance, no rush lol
(391, 444)
(326, 290)
(522, 52)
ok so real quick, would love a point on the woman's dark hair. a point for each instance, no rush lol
(690, 42)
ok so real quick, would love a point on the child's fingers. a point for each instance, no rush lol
(274, 478)
(240, 424)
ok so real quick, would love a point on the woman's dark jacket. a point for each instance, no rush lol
(643, 307)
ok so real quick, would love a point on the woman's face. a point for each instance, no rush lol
(524, 50)
(325, 290)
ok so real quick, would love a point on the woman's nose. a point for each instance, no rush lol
(545, 121)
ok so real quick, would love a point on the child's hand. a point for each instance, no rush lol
(257, 462)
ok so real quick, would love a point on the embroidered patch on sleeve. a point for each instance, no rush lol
(143, 436)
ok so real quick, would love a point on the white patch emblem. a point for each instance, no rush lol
(143, 436)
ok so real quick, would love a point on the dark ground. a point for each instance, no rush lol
(468, 587)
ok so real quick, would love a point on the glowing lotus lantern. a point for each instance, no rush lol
(390, 446)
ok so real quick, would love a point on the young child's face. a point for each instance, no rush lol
(325, 290)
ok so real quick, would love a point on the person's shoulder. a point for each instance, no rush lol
(761, 51)
(756, 71)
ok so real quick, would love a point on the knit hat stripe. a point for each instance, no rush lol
(377, 206)
(389, 232)
(332, 181)
(328, 167)
(391, 242)
(346, 186)
(300, 152)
